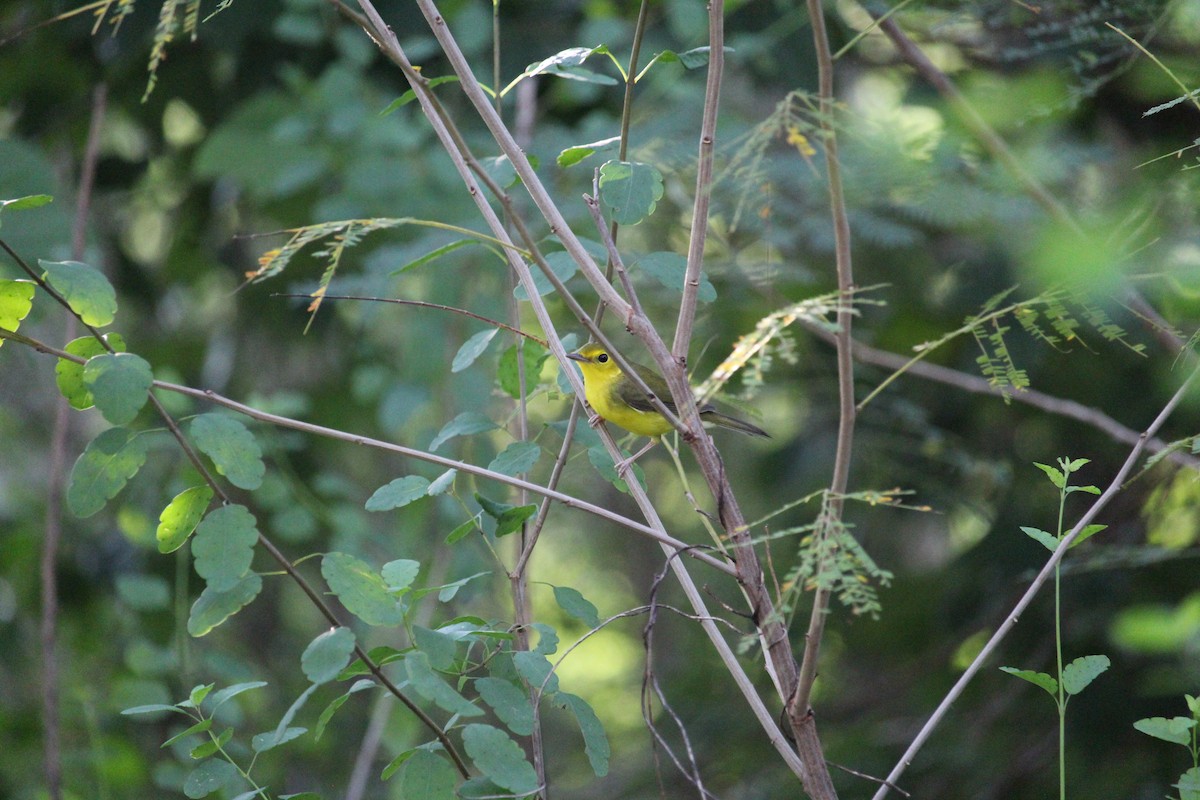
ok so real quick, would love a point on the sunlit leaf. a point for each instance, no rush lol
(16, 300)
(69, 375)
(180, 517)
(1077, 675)
(1036, 678)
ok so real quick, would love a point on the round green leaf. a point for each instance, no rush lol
(180, 517)
(232, 447)
(510, 703)
(499, 758)
(428, 776)
(517, 458)
(224, 546)
(400, 574)
(361, 590)
(328, 655)
(119, 383)
(431, 686)
(86, 290)
(212, 607)
(630, 190)
(108, 462)
(209, 777)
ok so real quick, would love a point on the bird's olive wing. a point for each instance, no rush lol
(637, 399)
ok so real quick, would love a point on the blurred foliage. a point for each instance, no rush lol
(270, 120)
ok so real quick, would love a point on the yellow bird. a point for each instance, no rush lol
(617, 399)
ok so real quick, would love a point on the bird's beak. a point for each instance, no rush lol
(579, 358)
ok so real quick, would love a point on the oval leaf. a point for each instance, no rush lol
(464, 424)
(398, 493)
(212, 607)
(431, 686)
(428, 776)
(595, 742)
(1036, 678)
(499, 758)
(180, 517)
(472, 349)
(119, 383)
(578, 606)
(108, 462)
(209, 777)
(232, 447)
(361, 590)
(400, 574)
(517, 458)
(670, 269)
(86, 290)
(510, 703)
(327, 655)
(224, 546)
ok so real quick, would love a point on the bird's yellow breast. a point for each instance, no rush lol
(601, 387)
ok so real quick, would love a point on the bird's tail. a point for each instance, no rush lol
(726, 421)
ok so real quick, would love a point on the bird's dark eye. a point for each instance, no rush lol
(602, 358)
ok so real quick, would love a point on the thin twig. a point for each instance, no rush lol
(1047, 570)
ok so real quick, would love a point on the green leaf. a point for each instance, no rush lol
(1077, 464)
(508, 517)
(690, 59)
(232, 447)
(431, 686)
(86, 290)
(573, 155)
(1088, 532)
(105, 466)
(510, 703)
(1082, 671)
(508, 373)
(1056, 477)
(119, 383)
(670, 269)
(396, 763)
(560, 263)
(209, 777)
(152, 708)
(442, 483)
(434, 255)
(517, 458)
(565, 64)
(578, 606)
(1047, 540)
(411, 95)
(180, 517)
(472, 349)
(16, 300)
(26, 202)
(212, 607)
(398, 493)
(1036, 678)
(69, 375)
(1086, 489)
(200, 727)
(400, 574)
(537, 671)
(144, 592)
(361, 590)
(464, 424)
(262, 742)
(224, 546)
(440, 648)
(1177, 729)
(338, 702)
(630, 190)
(229, 692)
(206, 749)
(1189, 784)
(499, 758)
(428, 776)
(198, 694)
(447, 591)
(327, 655)
(595, 742)
(462, 530)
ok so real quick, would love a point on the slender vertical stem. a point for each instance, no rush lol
(52, 744)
